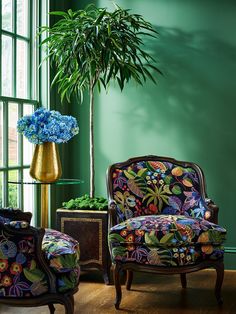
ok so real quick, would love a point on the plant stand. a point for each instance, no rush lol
(90, 228)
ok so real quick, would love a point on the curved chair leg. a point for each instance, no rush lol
(129, 279)
(106, 277)
(183, 280)
(116, 273)
(51, 308)
(69, 304)
(219, 280)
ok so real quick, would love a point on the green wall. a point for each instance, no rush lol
(188, 115)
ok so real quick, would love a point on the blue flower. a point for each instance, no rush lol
(47, 126)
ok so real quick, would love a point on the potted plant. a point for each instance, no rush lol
(89, 48)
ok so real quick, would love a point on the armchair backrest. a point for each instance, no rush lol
(151, 185)
(8, 214)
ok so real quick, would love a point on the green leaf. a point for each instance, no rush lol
(138, 186)
(151, 239)
(100, 17)
(167, 238)
(119, 251)
(60, 13)
(129, 174)
(176, 190)
(33, 275)
(114, 237)
(142, 172)
(168, 179)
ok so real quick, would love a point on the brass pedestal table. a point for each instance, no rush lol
(45, 193)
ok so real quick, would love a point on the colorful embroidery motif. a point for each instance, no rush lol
(166, 240)
(161, 216)
(153, 187)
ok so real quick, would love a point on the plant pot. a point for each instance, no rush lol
(46, 164)
(90, 228)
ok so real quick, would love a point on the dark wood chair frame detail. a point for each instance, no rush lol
(129, 267)
(52, 296)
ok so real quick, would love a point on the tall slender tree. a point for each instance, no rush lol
(93, 46)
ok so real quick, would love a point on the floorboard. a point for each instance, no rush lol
(149, 294)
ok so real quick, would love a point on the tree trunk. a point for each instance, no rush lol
(91, 141)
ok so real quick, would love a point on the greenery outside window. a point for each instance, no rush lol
(19, 95)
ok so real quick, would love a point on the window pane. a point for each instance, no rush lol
(7, 15)
(1, 189)
(1, 133)
(28, 193)
(22, 17)
(27, 146)
(21, 79)
(12, 134)
(6, 65)
(13, 189)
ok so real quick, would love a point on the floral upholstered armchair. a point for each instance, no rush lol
(37, 266)
(161, 220)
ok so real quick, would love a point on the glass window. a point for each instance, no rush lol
(12, 134)
(22, 17)
(1, 189)
(27, 146)
(18, 96)
(22, 68)
(7, 66)
(29, 195)
(13, 200)
(1, 134)
(7, 15)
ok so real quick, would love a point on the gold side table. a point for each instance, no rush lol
(44, 194)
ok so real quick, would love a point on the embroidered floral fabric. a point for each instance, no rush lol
(61, 250)
(166, 240)
(154, 187)
(19, 272)
(62, 253)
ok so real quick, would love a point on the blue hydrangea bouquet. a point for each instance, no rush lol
(47, 126)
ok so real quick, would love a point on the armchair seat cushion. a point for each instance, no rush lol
(62, 251)
(166, 240)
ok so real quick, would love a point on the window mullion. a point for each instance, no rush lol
(5, 153)
(20, 160)
(1, 48)
(14, 47)
(30, 58)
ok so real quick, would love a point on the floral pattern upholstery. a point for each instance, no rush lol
(161, 215)
(20, 273)
(62, 253)
(154, 187)
(166, 240)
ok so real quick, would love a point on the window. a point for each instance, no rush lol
(18, 97)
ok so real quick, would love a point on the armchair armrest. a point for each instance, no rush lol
(213, 211)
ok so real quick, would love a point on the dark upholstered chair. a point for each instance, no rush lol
(161, 221)
(37, 266)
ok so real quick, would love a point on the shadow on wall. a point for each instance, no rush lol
(190, 113)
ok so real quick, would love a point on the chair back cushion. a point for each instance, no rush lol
(153, 185)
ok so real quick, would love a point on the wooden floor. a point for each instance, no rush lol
(149, 294)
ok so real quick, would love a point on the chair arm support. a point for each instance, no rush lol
(214, 209)
(112, 221)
